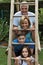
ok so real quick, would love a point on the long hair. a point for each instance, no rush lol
(29, 53)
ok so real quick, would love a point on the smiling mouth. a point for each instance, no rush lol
(24, 13)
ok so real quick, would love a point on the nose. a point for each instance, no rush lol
(24, 9)
(24, 24)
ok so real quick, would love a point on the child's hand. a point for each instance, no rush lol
(28, 59)
(17, 58)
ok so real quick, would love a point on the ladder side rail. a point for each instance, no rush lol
(17, 6)
(36, 32)
(10, 32)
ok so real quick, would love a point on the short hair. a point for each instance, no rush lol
(24, 3)
(21, 34)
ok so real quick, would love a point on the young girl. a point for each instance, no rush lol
(25, 53)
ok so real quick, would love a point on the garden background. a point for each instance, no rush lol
(4, 28)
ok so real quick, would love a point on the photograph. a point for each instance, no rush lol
(21, 32)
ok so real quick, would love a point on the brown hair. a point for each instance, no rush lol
(29, 52)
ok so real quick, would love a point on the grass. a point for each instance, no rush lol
(41, 57)
(3, 57)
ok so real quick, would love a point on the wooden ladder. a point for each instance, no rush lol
(11, 26)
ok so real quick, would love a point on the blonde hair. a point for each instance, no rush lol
(22, 20)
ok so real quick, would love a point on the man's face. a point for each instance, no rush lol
(21, 39)
(24, 10)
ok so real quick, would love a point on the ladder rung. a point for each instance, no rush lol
(21, 16)
(20, 58)
(33, 29)
(30, 3)
(23, 44)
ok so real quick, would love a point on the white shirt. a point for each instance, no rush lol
(16, 20)
(24, 62)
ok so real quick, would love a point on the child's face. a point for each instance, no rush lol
(21, 39)
(25, 24)
(25, 52)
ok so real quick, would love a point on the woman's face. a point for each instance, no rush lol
(25, 24)
(25, 52)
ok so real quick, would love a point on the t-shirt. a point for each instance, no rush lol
(24, 62)
(16, 20)
(26, 41)
(17, 48)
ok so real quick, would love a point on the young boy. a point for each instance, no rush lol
(21, 39)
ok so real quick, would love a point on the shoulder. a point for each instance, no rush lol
(31, 13)
(15, 40)
(32, 58)
(26, 40)
(17, 13)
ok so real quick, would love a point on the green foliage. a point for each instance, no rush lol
(4, 29)
(5, 1)
(40, 18)
(41, 15)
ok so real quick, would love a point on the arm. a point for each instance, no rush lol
(13, 53)
(16, 19)
(33, 32)
(33, 35)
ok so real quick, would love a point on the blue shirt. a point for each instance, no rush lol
(26, 41)
(17, 48)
